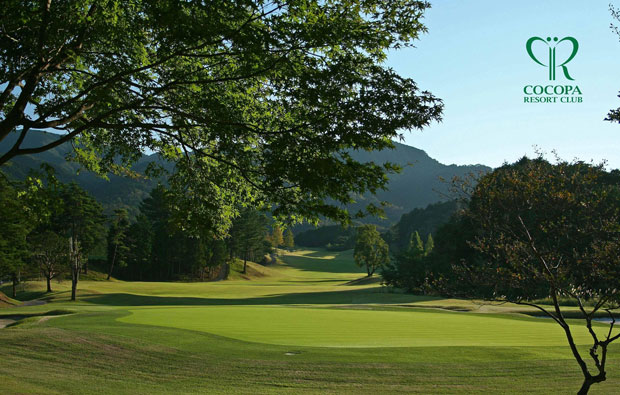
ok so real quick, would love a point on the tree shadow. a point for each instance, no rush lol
(351, 297)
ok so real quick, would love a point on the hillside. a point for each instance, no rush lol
(113, 193)
(417, 186)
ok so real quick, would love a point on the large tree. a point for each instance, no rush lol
(371, 251)
(50, 252)
(548, 232)
(255, 101)
(80, 220)
(247, 236)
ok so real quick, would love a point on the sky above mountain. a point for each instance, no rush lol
(474, 57)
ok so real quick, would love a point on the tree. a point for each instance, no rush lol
(117, 244)
(81, 221)
(371, 251)
(15, 225)
(276, 237)
(549, 232)
(416, 246)
(409, 267)
(247, 235)
(51, 253)
(430, 244)
(255, 102)
(289, 239)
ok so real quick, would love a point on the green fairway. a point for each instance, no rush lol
(355, 328)
(311, 324)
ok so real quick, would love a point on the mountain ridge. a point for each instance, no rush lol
(417, 186)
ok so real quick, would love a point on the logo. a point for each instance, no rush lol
(549, 92)
(552, 65)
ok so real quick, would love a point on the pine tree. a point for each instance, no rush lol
(430, 244)
(117, 243)
(416, 246)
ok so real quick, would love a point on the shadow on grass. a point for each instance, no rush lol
(352, 297)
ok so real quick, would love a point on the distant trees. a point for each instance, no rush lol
(371, 251)
(276, 238)
(15, 225)
(117, 240)
(332, 237)
(425, 221)
(550, 232)
(156, 247)
(289, 239)
(410, 267)
(247, 236)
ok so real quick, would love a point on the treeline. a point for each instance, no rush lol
(519, 210)
(49, 229)
(156, 248)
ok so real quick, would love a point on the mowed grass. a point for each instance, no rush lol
(305, 326)
(356, 328)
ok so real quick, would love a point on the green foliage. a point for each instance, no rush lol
(50, 252)
(128, 192)
(15, 225)
(416, 246)
(289, 239)
(327, 235)
(117, 241)
(423, 221)
(411, 269)
(244, 98)
(276, 238)
(371, 251)
(430, 245)
(247, 236)
(547, 231)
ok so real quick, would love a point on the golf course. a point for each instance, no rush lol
(311, 323)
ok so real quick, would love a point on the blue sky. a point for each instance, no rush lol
(474, 58)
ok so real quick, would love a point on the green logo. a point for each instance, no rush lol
(552, 65)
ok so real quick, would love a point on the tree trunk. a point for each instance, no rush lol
(585, 387)
(112, 264)
(74, 280)
(589, 380)
(49, 282)
(245, 262)
(14, 286)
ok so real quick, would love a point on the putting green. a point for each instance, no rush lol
(342, 327)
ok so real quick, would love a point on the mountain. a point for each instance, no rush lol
(117, 192)
(423, 180)
(417, 186)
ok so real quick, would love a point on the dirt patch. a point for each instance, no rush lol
(4, 322)
(5, 301)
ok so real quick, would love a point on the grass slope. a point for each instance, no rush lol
(302, 326)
